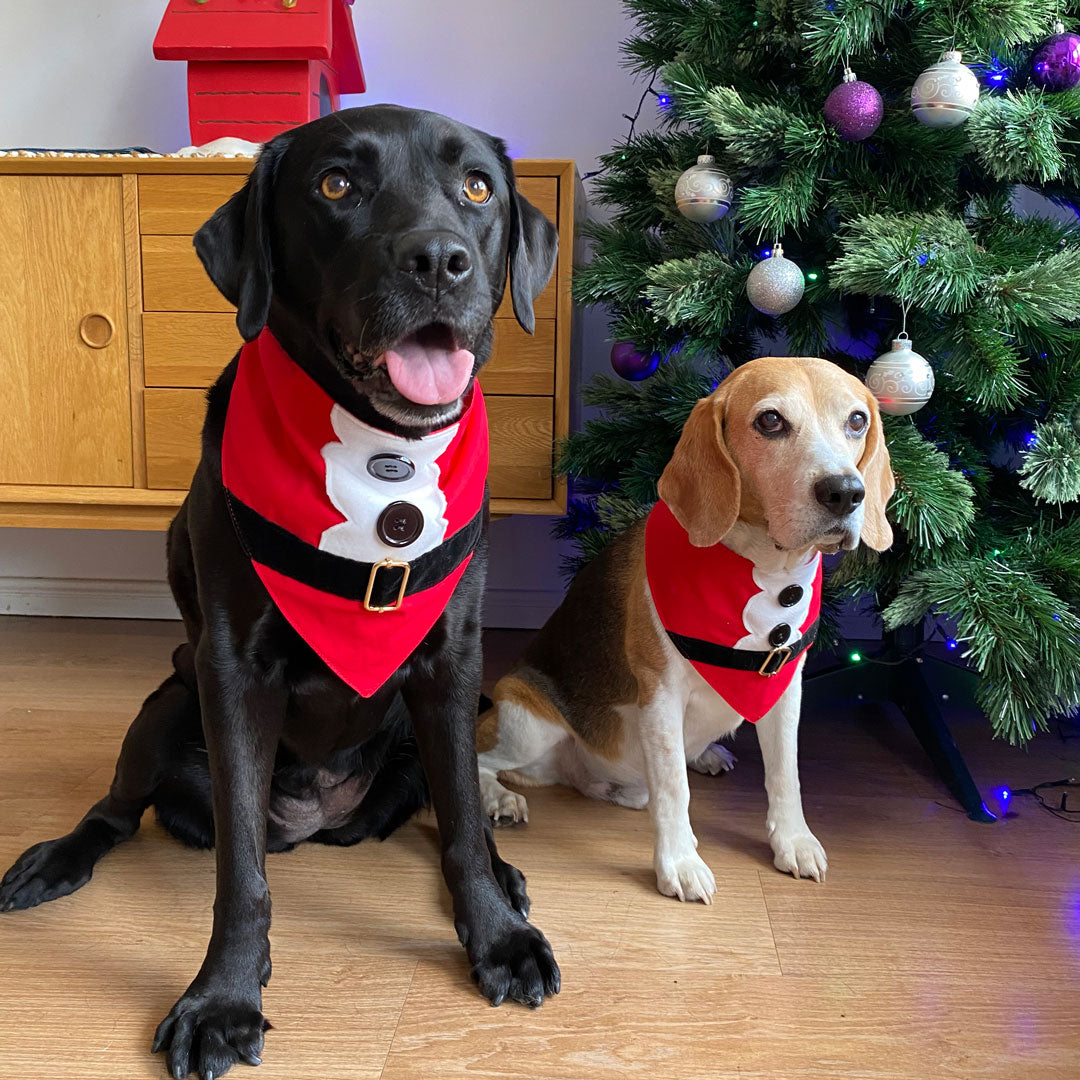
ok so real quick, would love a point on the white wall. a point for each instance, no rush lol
(543, 74)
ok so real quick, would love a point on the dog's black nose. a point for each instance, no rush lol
(840, 494)
(436, 261)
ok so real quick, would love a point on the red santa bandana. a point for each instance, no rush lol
(732, 621)
(341, 519)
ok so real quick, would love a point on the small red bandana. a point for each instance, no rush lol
(300, 460)
(718, 596)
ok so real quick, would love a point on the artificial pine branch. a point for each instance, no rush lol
(1018, 138)
(1051, 469)
(698, 293)
(928, 260)
(1045, 292)
(933, 503)
(846, 28)
(1018, 634)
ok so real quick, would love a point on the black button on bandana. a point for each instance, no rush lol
(400, 524)
(391, 467)
(790, 596)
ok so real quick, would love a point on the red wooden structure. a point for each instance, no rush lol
(259, 67)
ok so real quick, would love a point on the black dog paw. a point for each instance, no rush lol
(512, 882)
(207, 1034)
(517, 964)
(44, 872)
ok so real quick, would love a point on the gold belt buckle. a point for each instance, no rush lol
(386, 564)
(766, 669)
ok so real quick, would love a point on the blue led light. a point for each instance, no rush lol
(766, 252)
(1031, 438)
(664, 100)
(951, 643)
(923, 258)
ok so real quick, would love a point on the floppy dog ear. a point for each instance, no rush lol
(234, 245)
(878, 480)
(701, 483)
(534, 245)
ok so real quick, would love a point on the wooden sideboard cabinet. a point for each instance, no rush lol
(110, 333)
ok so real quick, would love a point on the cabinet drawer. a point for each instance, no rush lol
(521, 440)
(174, 279)
(187, 348)
(521, 363)
(170, 204)
(521, 437)
(173, 424)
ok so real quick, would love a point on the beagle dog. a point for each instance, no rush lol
(699, 617)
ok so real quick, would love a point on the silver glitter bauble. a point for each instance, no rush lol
(901, 379)
(703, 192)
(945, 94)
(776, 284)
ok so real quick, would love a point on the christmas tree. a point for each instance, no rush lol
(897, 197)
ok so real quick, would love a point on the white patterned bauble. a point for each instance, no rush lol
(901, 379)
(703, 192)
(775, 285)
(944, 95)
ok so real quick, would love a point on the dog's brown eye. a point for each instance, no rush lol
(476, 188)
(335, 185)
(857, 422)
(770, 422)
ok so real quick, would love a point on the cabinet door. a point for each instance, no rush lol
(64, 380)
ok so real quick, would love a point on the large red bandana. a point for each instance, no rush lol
(716, 596)
(299, 460)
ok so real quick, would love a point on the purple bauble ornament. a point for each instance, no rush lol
(631, 364)
(1056, 63)
(854, 109)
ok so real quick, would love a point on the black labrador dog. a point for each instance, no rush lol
(354, 233)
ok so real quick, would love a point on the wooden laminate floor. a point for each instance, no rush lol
(938, 948)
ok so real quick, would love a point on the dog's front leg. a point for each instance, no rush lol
(510, 958)
(680, 870)
(219, 1021)
(796, 849)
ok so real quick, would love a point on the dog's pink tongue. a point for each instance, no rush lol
(427, 374)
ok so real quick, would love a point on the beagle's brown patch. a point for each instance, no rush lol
(578, 666)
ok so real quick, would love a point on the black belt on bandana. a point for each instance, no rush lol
(379, 586)
(764, 663)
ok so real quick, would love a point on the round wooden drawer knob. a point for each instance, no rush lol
(96, 331)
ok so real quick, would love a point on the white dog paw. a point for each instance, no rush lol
(686, 877)
(799, 854)
(713, 759)
(503, 806)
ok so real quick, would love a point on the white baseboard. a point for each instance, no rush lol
(525, 609)
(87, 598)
